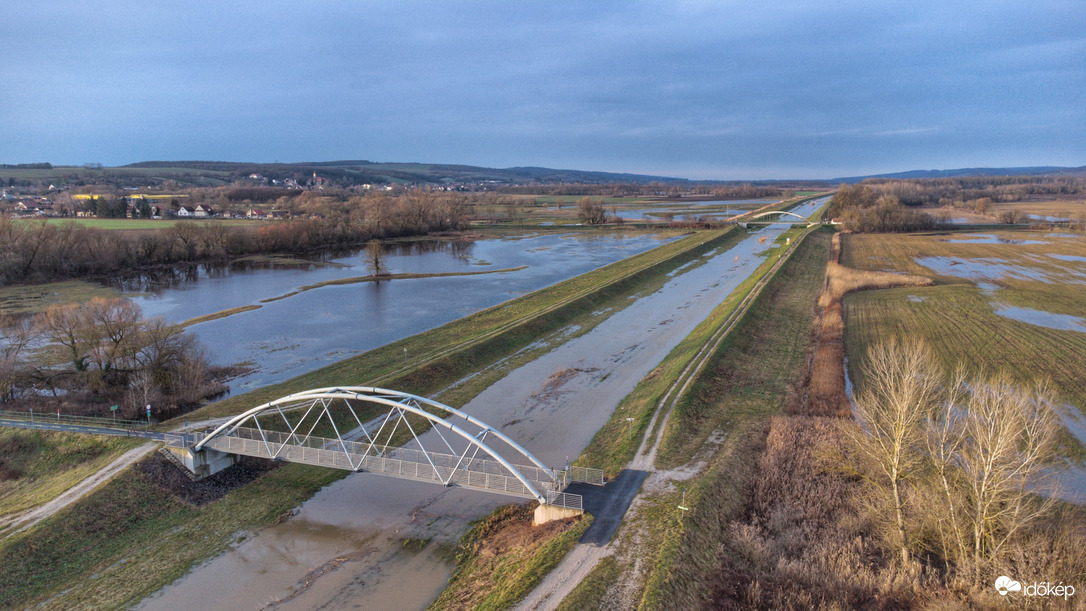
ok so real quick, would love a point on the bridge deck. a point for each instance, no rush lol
(446, 469)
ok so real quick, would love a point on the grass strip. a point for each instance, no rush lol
(36, 466)
(371, 278)
(592, 591)
(130, 537)
(218, 315)
(615, 443)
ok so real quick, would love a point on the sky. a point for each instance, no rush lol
(727, 90)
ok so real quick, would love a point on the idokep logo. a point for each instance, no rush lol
(1005, 585)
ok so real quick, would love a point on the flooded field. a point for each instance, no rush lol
(1012, 302)
(553, 416)
(288, 336)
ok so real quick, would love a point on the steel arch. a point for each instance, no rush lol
(398, 401)
(779, 213)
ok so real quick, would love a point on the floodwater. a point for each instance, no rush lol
(982, 269)
(1063, 322)
(988, 238)
(709, 209)
(291, 336)
(1071, 480)
(364, 518)
(1072, 258)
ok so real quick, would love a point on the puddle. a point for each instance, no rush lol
(1062, 322)
(1072, 479)
(1075, 258)
(982, 269)
(917, 299)
(988, 238)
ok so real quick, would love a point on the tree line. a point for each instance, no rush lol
(864, 208)
(32, 251)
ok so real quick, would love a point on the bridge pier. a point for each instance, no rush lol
(548, 513)
(205, 462)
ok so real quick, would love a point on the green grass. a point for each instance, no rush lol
(47, 463)
(220, 314)
(129, 538)
(760, 359)
(31, 299)
(592, 591)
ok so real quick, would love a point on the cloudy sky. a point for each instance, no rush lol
(724, 90)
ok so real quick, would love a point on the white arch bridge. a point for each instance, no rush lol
(379, 431)
(776, 216)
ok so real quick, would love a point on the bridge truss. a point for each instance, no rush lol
(380, 431)
(780, 217)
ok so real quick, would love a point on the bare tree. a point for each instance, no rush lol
(375, 254)
(990, 447)
(591, 211)
(900, 389)
(16, 336)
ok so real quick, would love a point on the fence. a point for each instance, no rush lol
(32, 416)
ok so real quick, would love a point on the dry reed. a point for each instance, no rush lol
(826, 393)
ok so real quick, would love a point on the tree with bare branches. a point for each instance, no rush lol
(375, 257)
(901, 388)
(990, 448)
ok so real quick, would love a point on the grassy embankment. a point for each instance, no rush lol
(616, 442)
(723, 422)
(337, 282)
(956, 316)
(130, 537)
(36, 466)
(503, 557)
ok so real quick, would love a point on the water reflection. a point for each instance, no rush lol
(295, 330)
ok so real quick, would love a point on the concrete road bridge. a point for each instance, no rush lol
(374, 430)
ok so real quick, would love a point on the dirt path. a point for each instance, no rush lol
(17, 523)
(23, 521)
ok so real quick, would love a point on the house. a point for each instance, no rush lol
(184, 212)
(203, 211)
(255, 213)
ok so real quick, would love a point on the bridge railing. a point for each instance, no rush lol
(359, 448)
(31, 416)
(585, 475)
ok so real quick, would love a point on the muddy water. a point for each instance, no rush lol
(344, 548)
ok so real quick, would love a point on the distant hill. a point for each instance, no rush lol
(362, 171)
(1025, 171)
